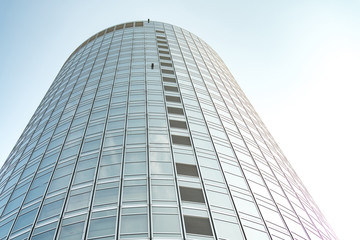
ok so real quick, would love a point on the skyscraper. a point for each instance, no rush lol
(145, 134)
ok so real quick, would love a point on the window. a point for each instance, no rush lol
(166, 223)
(135, 168)
(182, 140)
(109, 159)
(135, 139)
(139, 24)
(164, 58)
(161, 168)
(171, 89)
(129, 25)
(167, 71)
(163, 193)
(163, 52)
(166, 64)
(121, 26)
(95, 128)
(167, 79)
(44, 235)
(25, 219)
(72, 231)
(192, 194)
(102, 226)
(91, 145)
(135, 156)
(106, 196)
(198, 225)
(109, 171)
(174, 110)
(78, 201)
(111, 141)
(134, 193)
(134, 224)
(178, 124)
(84, 176)
(173, 99)
(186, 169)
(51, 209)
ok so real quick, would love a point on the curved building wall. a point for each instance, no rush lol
(145, 134)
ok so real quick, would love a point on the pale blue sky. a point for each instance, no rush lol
(297, 61)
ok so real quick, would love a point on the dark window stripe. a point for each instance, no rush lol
(178, 124)
(166, 64)
(197, 225)
(192, 194)
(165, 58)
(181, 140)
(139, 24)
(173, 99)
(174, 110)
(129, 25)
(167, 71)
(167, 79)
(186, 169)
(171, 89)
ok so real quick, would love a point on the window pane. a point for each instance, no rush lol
(135, 168)
(166, 223)
(109, 171)
(192, 194)
(72, 232)
(163, 192)
(198, 225)
(108, 159)
(134, 224)
(106, 196)
(134, 193)
(102, 226)
(161, 168)
(78, 201)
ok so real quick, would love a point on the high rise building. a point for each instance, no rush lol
(145, 134)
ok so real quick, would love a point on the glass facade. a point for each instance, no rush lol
(145, 134)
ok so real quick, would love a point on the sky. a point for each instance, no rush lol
(298, 62)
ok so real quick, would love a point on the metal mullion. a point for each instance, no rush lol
(246, 144)
(147, 146)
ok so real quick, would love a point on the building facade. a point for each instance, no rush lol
(145, 134)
